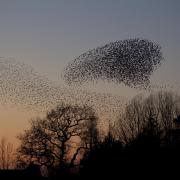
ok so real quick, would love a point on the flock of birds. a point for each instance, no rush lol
(27, 90)
(130, 62)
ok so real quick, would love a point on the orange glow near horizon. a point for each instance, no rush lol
(13, 122)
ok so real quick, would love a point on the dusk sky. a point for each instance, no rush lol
(48, 34)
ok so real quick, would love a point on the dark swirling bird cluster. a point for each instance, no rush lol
(130, 61)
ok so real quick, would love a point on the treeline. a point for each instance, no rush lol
(68, 142)
(144, 142)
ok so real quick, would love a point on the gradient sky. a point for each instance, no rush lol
(47, 34)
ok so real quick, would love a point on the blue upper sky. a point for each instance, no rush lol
(47, 34)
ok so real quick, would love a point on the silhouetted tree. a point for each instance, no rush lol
(103, 159)
(57, 140)
(6, 154)
(154, 112)
(90, 135)
(150, 140)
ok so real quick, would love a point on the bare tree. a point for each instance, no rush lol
(56, 140)
(155, 112)
(131, 121)
(90, 135)
(167, 106)
(6, 154)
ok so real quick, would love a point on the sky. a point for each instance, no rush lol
(47, 34)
